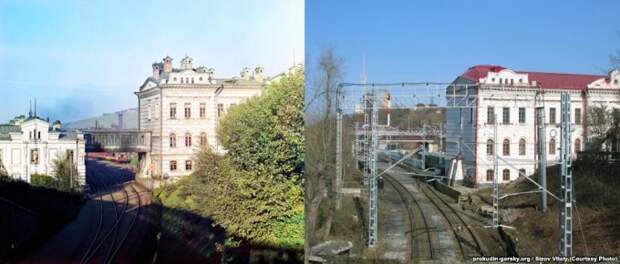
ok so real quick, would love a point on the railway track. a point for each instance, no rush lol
(108, 239)
(467, 241)
(421, 243)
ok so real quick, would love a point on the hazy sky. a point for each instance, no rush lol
(84, 58)
(438, 40)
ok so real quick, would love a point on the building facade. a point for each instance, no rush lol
(181, 108)
(485, 92)
(30, 145)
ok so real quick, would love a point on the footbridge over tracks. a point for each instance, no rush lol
(118, 140)
(122, 141)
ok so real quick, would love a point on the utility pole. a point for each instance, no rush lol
(495, 175)
(338, 148)
(542, 158)
(372, 174)
(566, 181)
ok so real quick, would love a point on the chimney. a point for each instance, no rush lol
(245, 73)
(258, 74)
(156, 70)
(167, 64)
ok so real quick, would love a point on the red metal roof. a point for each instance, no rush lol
(480, 71)
(543, 79)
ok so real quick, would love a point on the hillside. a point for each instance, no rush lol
(128, 119)
(596, 228)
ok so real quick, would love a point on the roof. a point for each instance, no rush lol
(480, 71)
(5, 129)
(543, 79)
(562, 80)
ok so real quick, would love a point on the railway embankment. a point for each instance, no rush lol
(30, 215)
(596, 229)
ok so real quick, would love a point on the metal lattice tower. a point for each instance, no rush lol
(338, 151)
(495, 175)
(372, 172)
(365, 152)
(542, 158)
(566, 179)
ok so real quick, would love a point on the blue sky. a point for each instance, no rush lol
(439, 40)
(83, 58)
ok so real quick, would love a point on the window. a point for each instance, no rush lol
(30, 135)
(173, 111)
(522, 147)
(578, 116)
(38, 134)
(521, 115)
(173, 140)
(203, 110)
(512, 81)
(577, 145)
(490, 115)
(552, 115)
(220, 110)
(188, 139)
(200, 78)
(471, 115)
(203, 139)
(181, 79)
(521, 172)
(506, 175)
(188, 165)
(490, 147)
(186, 79)
(506, 147)
(174, 79)
(192, 79)
(490, 175)
(520, 80)
(34, 156)
(188, 110)
(506, 115)
(501, 80)
(552, 146)
(173, 165)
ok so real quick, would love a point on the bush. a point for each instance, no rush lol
(45, 181)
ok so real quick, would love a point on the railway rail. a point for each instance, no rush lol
(467, 241)
(421, 243)
(110, 236)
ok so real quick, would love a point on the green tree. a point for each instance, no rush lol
(65, 172)
(255, 190)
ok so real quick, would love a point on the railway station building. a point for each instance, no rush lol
(486, 92)
(29, 145)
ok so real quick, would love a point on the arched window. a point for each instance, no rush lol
(203, 139)
(552, 146)
(188, 139)
(490, 175)
(521, 172)
(577, 145)
(506, 175)
(506, 147)
(173, 140)
(490, 147)
(188, 165)
(522, 146)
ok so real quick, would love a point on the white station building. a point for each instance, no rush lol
(30, 145)
(513, 97)
(181, 108)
